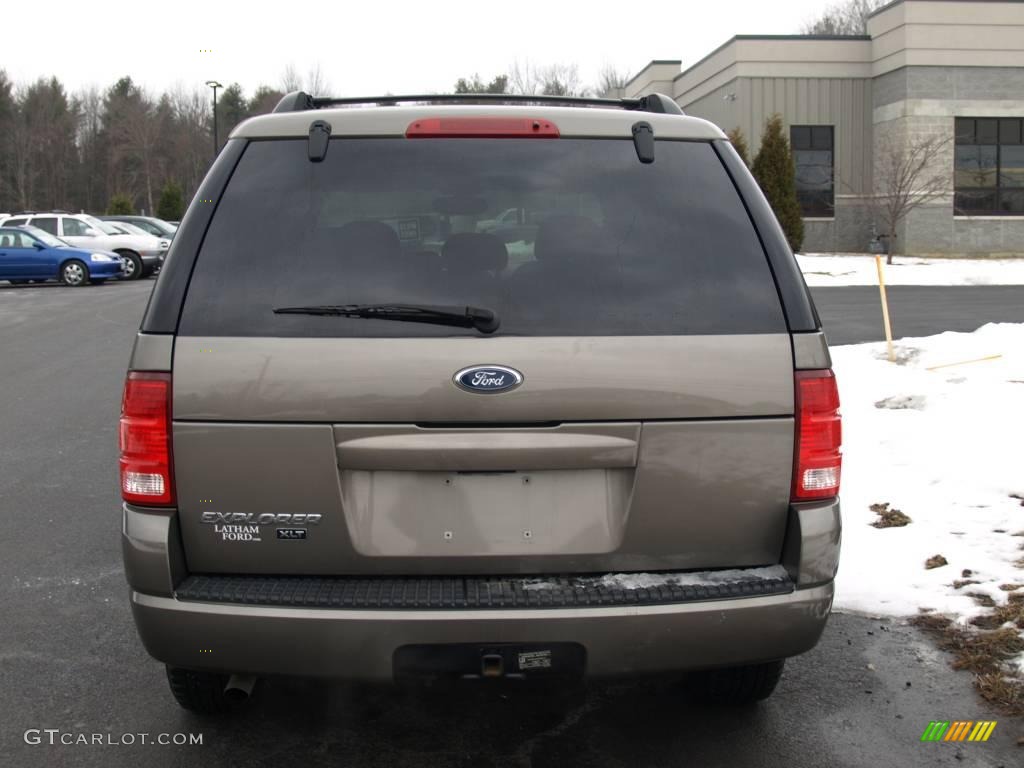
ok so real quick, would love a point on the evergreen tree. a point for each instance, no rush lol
(739, 143)
(172, 203)
(264, 100)
(775, 172)
(232, 108)
(120, 205)
(475, 85)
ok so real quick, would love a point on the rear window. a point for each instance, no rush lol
(562, 237)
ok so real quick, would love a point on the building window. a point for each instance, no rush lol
(988, 176)
(812, 154)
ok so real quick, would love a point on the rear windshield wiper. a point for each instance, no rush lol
(484, 320)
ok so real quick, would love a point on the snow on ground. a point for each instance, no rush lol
(823, 270)
(944, 446)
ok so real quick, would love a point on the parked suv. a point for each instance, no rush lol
(357, 443)
(140, 255)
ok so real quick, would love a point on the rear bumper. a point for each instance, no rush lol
(353, 644)
(360, 644)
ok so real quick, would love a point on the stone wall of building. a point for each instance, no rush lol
(916, 103)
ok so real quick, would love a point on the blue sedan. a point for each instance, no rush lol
(30, 254)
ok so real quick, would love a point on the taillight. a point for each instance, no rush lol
(481, 128)
(145, 439)
(819, 436)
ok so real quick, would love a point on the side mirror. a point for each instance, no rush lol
(38, 246)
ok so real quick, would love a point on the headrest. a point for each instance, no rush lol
(470, 252)
(369, 240)
(567, 239)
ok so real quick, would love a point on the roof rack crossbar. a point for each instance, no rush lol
(297, 101)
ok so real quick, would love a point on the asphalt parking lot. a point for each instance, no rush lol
(70, 659)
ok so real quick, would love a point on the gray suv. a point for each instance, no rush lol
(362, 438)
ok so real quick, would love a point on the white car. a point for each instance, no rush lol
(162, 243)
(141, 254)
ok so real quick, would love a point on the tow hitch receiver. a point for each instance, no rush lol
(468, 661)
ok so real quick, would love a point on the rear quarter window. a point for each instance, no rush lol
(560, 237)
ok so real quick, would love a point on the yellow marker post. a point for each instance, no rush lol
(964, 362)
(885, 309)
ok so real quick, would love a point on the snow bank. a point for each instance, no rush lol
(822, 270)
(945, 447)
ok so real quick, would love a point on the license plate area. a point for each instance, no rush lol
(482, 661)
(445, 514)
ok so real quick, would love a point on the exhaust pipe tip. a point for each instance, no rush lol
(239, 687)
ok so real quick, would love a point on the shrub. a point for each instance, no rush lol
(172, 202)
(739, 142)
(120, 205)
(775, 172)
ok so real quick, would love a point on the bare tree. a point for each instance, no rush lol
(135, 134)
(192, 140)
(89, 140)
(524, 79)
(290, 79)
(20, 145)
(849, 17)
(611, 81)
(562, 80)
(317, 83)
(909, 173)
(550, 80)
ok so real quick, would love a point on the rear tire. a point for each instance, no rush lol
(74, 273)
(740, 686)
(199, 692)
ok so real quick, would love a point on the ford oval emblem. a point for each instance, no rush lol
(488, 378)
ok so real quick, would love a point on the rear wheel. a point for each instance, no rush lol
(738, 686)
(74, 273)
(199, 692)
(133, 267)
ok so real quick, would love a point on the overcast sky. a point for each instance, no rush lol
(372, 47)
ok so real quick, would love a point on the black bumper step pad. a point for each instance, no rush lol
(470, 593)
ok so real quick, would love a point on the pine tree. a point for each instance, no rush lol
(739, 143)
(120, 205)
(172, 204)
(775, 172)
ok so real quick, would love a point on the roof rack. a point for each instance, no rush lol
(297, 101)
(37, 213)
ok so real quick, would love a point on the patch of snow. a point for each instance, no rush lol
(1018, 663)
(648, 580)
(951, 468)
(700, 578)
(824, 270)
(902, 402)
